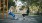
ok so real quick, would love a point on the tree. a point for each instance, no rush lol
(10, 3)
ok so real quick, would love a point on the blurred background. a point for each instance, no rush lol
(34, 8)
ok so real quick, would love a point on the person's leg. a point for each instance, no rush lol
(23, 16)
(12, 15)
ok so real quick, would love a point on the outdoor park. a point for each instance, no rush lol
(20, 11)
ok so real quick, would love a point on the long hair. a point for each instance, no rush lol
(11, 8)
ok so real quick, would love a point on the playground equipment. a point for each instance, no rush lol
(4, 5)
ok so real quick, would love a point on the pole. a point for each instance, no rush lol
(7, 8)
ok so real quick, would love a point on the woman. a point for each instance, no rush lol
(10, 12)
(26, 13)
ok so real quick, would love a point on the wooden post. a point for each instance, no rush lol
(3, 9)
(0, 3)
(7, 8)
